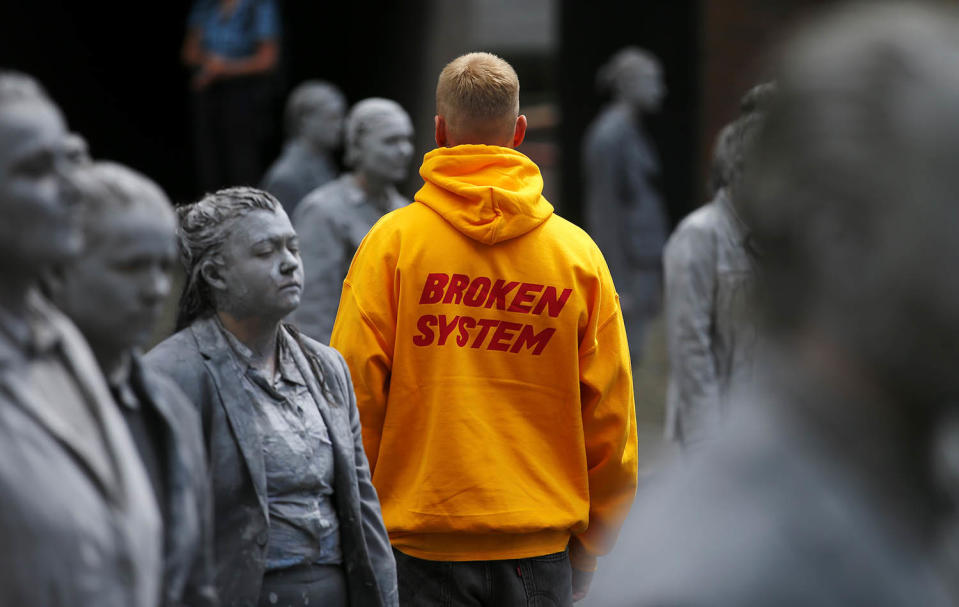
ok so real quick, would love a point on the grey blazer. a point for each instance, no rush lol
(199, 360)
(712, 339)
(188, 530)
(73, 533)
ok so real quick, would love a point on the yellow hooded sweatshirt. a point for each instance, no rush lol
(486, 345)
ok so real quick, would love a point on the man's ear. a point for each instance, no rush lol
(441, 135)
(519, 132)
(210, 271)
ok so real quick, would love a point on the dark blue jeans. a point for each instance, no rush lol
(316, 585)
(539, 581)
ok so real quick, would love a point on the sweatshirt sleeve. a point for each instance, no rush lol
(365, 337)
(609, 424)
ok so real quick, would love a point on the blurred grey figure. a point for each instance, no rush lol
(821, 489)
(114, 293)
(314, 125)
(78, 519)
(708, 270)
(624, 212)
(333, 219)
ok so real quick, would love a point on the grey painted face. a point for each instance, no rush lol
(115, 291)
(642, 85)
(261, 275)
(384, 153)
(40, 224)
(323, 126)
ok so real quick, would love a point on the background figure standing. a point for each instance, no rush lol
(233, 48)
(314, 123)
(297, 521)
(623, 210)
(333, 219)
(79, 522)
(115, 293)
(708, 270)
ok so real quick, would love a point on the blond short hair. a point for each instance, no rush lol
(478, 92)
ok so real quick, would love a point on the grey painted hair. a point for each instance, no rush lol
(625, 61)
(364, 117)
(734, 139)
(201, 233)
(305, 98)
(104, 186)
(18, 87)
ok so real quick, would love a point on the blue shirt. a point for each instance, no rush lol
(237, 34)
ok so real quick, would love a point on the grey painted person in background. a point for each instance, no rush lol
(820, 488)
(114, 294)
(624, 212)
(314, 125)
(333, 219)
(297, 520)
(708, 270)
(78, 519)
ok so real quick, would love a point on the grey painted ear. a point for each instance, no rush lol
(210, 272)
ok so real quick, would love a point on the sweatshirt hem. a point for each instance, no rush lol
(480, 547)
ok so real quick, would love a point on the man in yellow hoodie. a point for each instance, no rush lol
(487, 349)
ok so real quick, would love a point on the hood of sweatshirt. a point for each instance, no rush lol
(488, 193)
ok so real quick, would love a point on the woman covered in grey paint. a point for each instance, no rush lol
(297, 520)
(333, 219)
(624, 212)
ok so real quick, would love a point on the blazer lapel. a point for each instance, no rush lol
(332, 413)
(179, 483)
(236, 400)
(27, 399)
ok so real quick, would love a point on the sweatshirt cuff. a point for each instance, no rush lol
(579, 558)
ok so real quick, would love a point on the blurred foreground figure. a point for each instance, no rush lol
(708, 271)
(78, 519)
(624, 212)
(232, 46)
(333, 219)
(491, 369)
(297, 521)
(114, 293)
(821, 491)
(314, 122)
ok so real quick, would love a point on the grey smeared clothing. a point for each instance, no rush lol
(200, 360)
(298, 457)
(331, 222)
(712, 341)
(186, 504)
(299, 170)
(625, 214)
(79, 522)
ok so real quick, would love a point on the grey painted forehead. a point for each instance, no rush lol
(371, 115)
